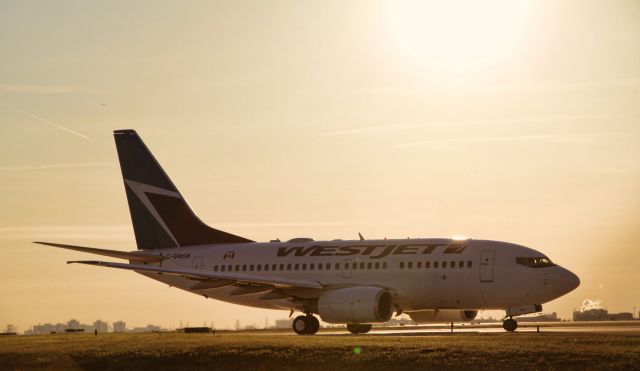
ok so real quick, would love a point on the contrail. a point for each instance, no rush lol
(46, 121)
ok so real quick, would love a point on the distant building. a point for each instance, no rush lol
(544, 317)
(601, 315)
(73, 324)
(119, 326)
(149, 328)
(101, 326)
(284, 323)
(624, 316)
(47, 328)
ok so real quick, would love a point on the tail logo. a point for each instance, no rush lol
(141, 190)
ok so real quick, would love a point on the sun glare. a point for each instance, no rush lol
(456, 37)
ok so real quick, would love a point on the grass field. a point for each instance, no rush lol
(263, 351)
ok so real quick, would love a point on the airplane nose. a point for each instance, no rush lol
(569, 280)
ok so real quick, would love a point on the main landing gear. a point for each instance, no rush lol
(358, 328)
(510, 324)
(306, 325)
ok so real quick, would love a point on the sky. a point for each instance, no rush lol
(507, 120)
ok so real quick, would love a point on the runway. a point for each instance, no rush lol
(470, 347)
(629, 327)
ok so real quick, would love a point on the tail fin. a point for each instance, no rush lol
(160, 215)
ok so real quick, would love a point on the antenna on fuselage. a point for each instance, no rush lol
(360, 235)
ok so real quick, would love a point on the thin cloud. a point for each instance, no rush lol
(386, 129)
(511, 138)
(38, 89)
(54, 166)
(67, 232)
(57, 126)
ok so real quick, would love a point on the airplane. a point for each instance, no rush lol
(353, 282)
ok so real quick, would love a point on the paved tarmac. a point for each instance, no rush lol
(631, 328)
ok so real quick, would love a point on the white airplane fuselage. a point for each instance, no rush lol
(422, 273)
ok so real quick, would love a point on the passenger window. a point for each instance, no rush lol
(444, 264)
(312, 266)
(410, 265)
(469, 264)
(328, 266)
(259, 267)
(266, 267)
(354, 265)
(288, 267)
(401, 265)
(427, 264)
(296, 267)
(384, 265)
(251, 268)
(377, 265)
(369, 264)
(338, 266)
(273, 267)
(222, 268)
(453, 264)
(435, 264)
(244, 267)
(237, 268)
(346, 265)
(320, 266)
(361, 265)
(281, 267)
(419, 265)
(304, 266)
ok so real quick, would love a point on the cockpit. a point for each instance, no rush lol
(539, 262)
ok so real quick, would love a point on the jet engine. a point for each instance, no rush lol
(443, 316)
(355, 305)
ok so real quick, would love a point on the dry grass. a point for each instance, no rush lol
(263, 351)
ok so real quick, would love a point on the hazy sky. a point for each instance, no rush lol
(507, 120)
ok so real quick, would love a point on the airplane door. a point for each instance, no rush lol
(345, 268)
(197, 262)
(486, 265)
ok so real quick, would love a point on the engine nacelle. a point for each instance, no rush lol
(443, 316)
(355, 305)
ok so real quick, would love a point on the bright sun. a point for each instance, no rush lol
(456, 37)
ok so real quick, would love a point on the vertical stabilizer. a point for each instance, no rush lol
(161, 217)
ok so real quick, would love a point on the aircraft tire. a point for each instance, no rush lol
(314, 324)
(510, 324)
(301, 325)
(364, 328)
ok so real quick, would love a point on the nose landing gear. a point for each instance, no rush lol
(306, 325)
(510, 324)
(358, 328)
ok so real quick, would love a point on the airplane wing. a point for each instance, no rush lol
(222, 278)
(133, 256)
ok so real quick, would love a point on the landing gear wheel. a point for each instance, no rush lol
(357, 328)
(314, 324)
(301, 325)
(364, 328)
(510, 324)
(306, 325)
(353, 328)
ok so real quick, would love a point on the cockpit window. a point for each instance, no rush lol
(535, 262)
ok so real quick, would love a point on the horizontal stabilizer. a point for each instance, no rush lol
(206, 275)
(133, 256)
